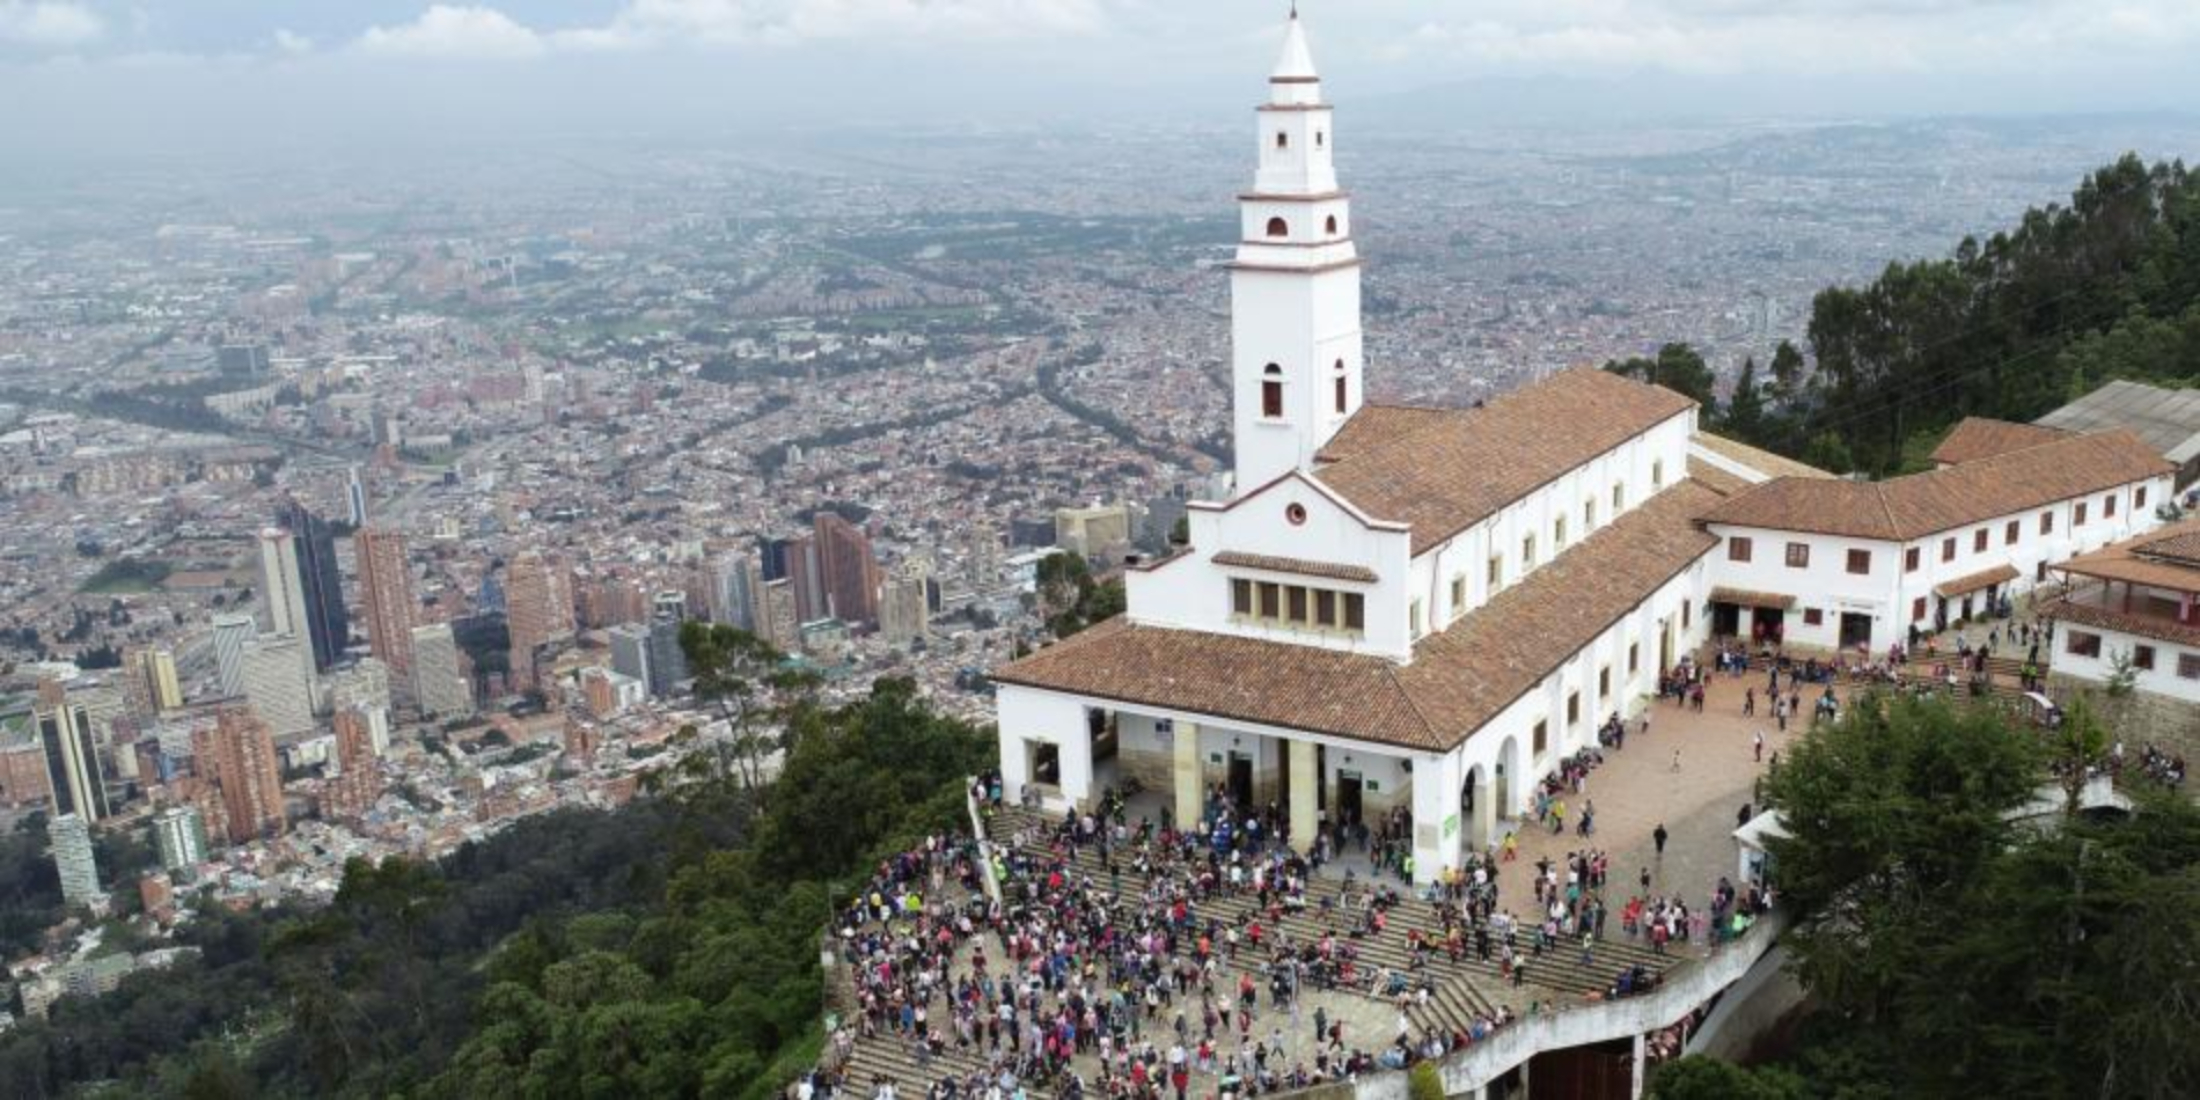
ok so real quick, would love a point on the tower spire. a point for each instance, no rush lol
(1295, 286)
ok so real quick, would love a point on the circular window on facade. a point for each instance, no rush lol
(1296, 513)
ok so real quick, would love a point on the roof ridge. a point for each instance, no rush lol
(1879, 493)
(1428, 728)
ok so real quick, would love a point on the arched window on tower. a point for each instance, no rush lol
(1283, 140)
(1317, 139)
(1338, 384)
(1277, 227)
(1271, 392)
(1330, 226)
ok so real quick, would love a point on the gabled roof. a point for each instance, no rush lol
(1756, 458)
(2167, 558)
(1912, 507)
(1370, 427)
(1460, 678)
(1977, 437)
(1447, 471)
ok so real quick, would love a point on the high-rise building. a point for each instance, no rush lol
(386, 597)
(278, 681)
(737, 581)
(72, 857)
(73, 773)
(355, 499)
(806, 576)
(780, 620)
(237, 754)
(231, 633)
(179, 833)
(282, 586)
(161, 681)
(630, 651)
(850, 570)
(364, 688)
(667, 661)
(149, 684)
(539, 610)
(357, 782)
(905, 609)
(327, 625)
(440, 687)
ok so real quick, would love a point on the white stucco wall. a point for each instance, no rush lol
(1193, 593)
(2162, 679)
(1889, 593)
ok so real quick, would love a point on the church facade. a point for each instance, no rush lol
(1403, 609)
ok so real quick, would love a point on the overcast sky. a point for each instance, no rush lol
(113, 73)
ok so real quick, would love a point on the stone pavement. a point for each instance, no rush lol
(1637, 789)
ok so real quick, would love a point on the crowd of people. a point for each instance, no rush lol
(1098, 956)
(1129, 970)
(2163, 767)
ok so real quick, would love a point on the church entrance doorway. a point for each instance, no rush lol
(1856, 630)
(1726, 620)
(1241, 780)
(1348, 799)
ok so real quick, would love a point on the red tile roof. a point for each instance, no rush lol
(1444, 473)
(1912, 507)
(1460, 678)
(1977, 437)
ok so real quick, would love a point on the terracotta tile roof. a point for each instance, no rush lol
(1452, 470)
(1460, 678)
(1714, 478)
(2079, 608)
(1742, 597)
(1977, 437)
(1984, 578)
(2167, 558)
(1756, 458)
(1332, 570)
(1923, 504)
(1375, 425)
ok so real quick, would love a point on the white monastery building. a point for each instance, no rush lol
(2135, 604)
(1424, 609)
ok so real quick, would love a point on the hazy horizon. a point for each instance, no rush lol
(288, 77)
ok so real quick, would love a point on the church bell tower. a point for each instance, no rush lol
(1295, 285)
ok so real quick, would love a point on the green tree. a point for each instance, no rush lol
(1679, 368)
(1423, 1082)
(1745, 411)
(754, 689)
(1787, 373)
(1830, 453)
(1960, 951)
(1698, 1077)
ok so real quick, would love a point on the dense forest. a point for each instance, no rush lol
(665, 949)
(2105, 287)
(1954, 950)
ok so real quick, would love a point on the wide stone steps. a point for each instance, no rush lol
(1559, 969)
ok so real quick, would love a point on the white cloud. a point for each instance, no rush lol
(289, 43)
(48, 23)
(456, 32)
(1797, 36)
(477, 31)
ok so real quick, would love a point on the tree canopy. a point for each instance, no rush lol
(1956, 950)
(2106, 286)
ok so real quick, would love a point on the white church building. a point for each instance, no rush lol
(1427, 608)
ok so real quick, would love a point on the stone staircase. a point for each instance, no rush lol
(1462, 991)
